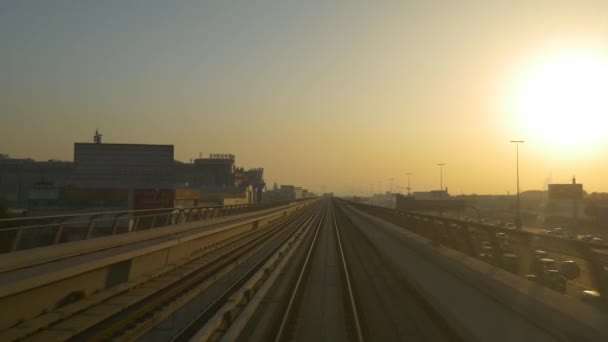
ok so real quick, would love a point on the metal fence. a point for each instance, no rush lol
(564, 264)
(31, 232)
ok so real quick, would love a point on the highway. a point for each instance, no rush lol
(320, 270)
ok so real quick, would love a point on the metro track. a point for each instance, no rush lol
(129, 311)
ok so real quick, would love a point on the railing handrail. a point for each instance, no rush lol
(135, 220)
(115, 212)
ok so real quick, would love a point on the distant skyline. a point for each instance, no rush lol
(335, 94)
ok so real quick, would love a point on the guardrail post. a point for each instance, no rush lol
(135, 224)
(153, 221)
(17, 239)
(58, 233)
(469, 241)
(168, 218)
(177, 217)
(115, 224)
(90, 228)
(188, 215)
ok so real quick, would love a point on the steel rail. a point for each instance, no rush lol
(348, 282)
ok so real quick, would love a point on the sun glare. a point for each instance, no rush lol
(562, 100)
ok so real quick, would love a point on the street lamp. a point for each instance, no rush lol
(441, 178)
(408, 184)
(517, 216)
(441, 165)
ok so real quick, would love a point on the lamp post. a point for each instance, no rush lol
(441, 165)
(517, 216)
(408, 184)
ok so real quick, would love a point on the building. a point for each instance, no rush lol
(412, 204)
(120, 166)
(564, 203)
(21, 177)
(431, 195)
(220, 181)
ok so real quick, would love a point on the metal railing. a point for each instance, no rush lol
(514, 250)
(32, 232)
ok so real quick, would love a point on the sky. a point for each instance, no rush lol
(330, 95)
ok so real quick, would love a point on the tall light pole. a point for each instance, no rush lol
(517, 216)
(441, 165)
(408, 184)
(391, 180)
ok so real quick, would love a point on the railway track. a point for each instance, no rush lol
(197, 326)
(129, 311)
(295, 311)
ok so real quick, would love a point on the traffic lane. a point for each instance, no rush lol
(480, 317)
(388, 310)
(524, 249)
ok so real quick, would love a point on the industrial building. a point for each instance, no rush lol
(20, 178)
(108, 176)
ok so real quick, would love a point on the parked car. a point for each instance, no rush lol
(569, 269)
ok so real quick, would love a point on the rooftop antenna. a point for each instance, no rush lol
(97, 137)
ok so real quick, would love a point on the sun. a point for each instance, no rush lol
(561, 100)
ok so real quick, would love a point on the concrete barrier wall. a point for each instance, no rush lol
(547, 308)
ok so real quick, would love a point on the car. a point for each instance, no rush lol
(541, 265)
(570, 269)
(486, 244)
(502, 235)
(540, 254)
(590, 296)
(532, 277)
(553, 279)
(545, 231)
(488, 257)
(587, 238)
(506, 247)
(597, 240)
(510, 262)
(509, 225)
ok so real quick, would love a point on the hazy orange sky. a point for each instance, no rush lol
(341, 94)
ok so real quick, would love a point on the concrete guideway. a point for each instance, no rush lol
(321, 308)
(481, 302)
(324, 310)
(390, 307)
(113, 269)
(310, 299)
(228, 322)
